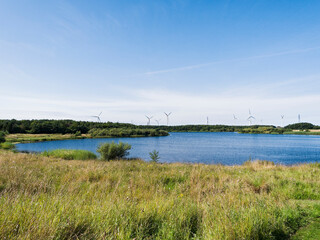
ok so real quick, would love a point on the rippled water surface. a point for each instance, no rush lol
(210, 148)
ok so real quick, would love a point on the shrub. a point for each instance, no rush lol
(154, 155)
(70, 154)
(111, 151)
(7, 145)
(2, 137)
(77, 134)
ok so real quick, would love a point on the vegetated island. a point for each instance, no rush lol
(45, 130)
(51, 198)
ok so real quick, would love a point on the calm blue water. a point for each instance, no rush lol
(209, 148)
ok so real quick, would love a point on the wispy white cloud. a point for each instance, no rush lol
(12, 73)
(113, 19)
(26, 47)
(186, 108)
(276, 87)
(196, 66)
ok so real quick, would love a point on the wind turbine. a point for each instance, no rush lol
(235, 118)
(97, 117)
(149, 118)
(207, 120)
(167, 114)
(282, 117)
(250, 118)
(158, 121)
(299, 118)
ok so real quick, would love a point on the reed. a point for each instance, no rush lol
(70, 154)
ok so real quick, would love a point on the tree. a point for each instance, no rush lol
(2, 137)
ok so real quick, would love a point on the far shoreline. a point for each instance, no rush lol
(34, 138)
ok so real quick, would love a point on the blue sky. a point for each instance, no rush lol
(128, 59)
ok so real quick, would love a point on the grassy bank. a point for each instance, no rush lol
(68, 154)
(48, 198)
(96, 133)
(302, 133)
(25, 137)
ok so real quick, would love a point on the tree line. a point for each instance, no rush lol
(56, 126)
(83, 127)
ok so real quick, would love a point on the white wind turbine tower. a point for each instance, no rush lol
(167, 114)
(299, 118)
(149, 118)
(235, 118)
(207, 120)
(250, 118)
(97, 117)
(282, 117)
(158, 121)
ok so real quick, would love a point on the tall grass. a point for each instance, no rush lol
(70, 154)
(46, 198)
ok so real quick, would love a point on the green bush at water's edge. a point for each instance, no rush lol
(70, 154)
(112, 151)
(7, 146)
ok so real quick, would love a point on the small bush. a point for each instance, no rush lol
(111, 151)
(154, 155)
(70, 154)
(7, 145)
(2, 137)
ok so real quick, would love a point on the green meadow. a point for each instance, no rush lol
(51, 198)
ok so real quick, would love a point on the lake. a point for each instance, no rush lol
(208, 148)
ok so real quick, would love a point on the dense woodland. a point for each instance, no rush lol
(56, 126)
(73, 127)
